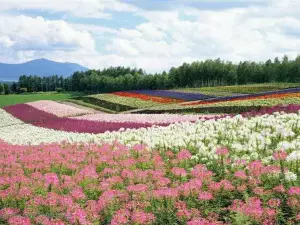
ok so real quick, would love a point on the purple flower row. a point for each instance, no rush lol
(174, 94)
(39, 118)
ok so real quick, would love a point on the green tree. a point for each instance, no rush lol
(1, 88)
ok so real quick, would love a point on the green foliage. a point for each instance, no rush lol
(6, 89)
(209, 73)
(13, 99)
(1, 88)
(23, 90)
(59, 90)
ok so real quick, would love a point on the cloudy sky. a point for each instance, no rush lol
(151, 34)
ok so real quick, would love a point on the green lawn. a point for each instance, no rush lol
(13, 99)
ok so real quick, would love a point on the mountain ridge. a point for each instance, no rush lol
(39, 67)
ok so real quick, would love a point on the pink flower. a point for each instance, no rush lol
(241, 174)
(222, 151)
(51, 178)
(78, 216)
(294, 191)
(166, 192)
(242, 188)
(280, 188)
(78, 194)
(180, 172)
(184, 154)
(142, 217)
(137, 188)
(120, 217)
(274, 202)
(205, 196)
(280, 155)
(19, 220)
(183, 213)
(42, 220)
(6, 213)
(89, 172)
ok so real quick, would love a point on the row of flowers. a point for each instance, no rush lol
(147, 97)
(294, 92)
(248, 138)
(36, 117)
(184, 96)
(114, 184)
(132, 102)
(142, 118)
(58, 109)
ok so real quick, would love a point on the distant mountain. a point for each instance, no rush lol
(39, 67)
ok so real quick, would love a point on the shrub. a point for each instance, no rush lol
(59, 90)
(23, 90)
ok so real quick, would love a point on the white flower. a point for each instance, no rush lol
(294, 156)
(290, 176)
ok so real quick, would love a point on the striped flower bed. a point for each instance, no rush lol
(141, 118)
(147, 97)
(184, 96)
(40, 118)
(293, 92)
(57, 109)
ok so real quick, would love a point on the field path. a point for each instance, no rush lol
(83, 107)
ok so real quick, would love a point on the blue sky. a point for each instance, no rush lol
(151, 34)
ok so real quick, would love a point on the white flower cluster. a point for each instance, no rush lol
(247, 138)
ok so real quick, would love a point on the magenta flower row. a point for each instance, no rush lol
(39, 118)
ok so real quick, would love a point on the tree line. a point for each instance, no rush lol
(196, 74)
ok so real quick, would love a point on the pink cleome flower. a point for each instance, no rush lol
(184, 154)
(137, 188)
(222, 151)
(19, 220)
(205, 196)
(140, 217)
(51, 178)
(280, 155)
(180, 172)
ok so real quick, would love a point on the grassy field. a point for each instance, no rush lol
(13, 99)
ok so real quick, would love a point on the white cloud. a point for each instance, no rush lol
(80, 8)
(166, 39)
(22, 35)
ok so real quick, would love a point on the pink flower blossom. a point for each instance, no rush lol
(241, 174)
(294, 191)
(19, 220)
(140, 217)
(180, 172)
(280, 155)
(222, 151)
(137, 188)
(51, 178)
(120, 217)
(6, 213)
(274, 203)
(205, 196)
(184, 154)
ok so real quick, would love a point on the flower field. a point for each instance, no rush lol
(186, 173)
(173, 94)
(147, 97)
(60, 164)
(60, 110)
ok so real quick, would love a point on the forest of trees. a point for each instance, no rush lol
(197, 74)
